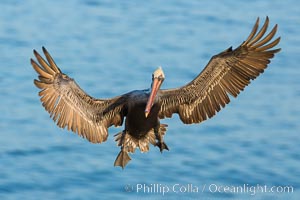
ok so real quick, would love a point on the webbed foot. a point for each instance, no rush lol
(122, 159)
(162, 146)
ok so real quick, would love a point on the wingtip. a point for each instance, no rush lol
(32, 61)
(257, 20)
(279, 38)
(44, 50)
(39, 84)
(267, 21)
(253, 32)
(35, 53)
(50, 60)
(267, 18)
(35, 81)
(275, 27)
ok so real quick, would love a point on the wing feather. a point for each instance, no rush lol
(227, 73)
(69, 106)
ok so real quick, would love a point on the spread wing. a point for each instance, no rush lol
(226, 73)
(69, 106)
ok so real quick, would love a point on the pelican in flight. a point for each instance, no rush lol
(226, 74)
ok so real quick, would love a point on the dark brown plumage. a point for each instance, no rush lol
(226, 73)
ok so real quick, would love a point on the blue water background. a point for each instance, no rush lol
(112, 47)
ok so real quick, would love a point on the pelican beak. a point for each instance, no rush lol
(155, 87)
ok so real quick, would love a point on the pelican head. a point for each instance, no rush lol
(158, 77)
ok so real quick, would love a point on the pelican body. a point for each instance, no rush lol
(227, 73)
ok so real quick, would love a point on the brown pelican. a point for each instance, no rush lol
(227, 73)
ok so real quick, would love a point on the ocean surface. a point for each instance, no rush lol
(249, 150)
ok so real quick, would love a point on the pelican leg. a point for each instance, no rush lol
(159, 134)
(123, 157)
